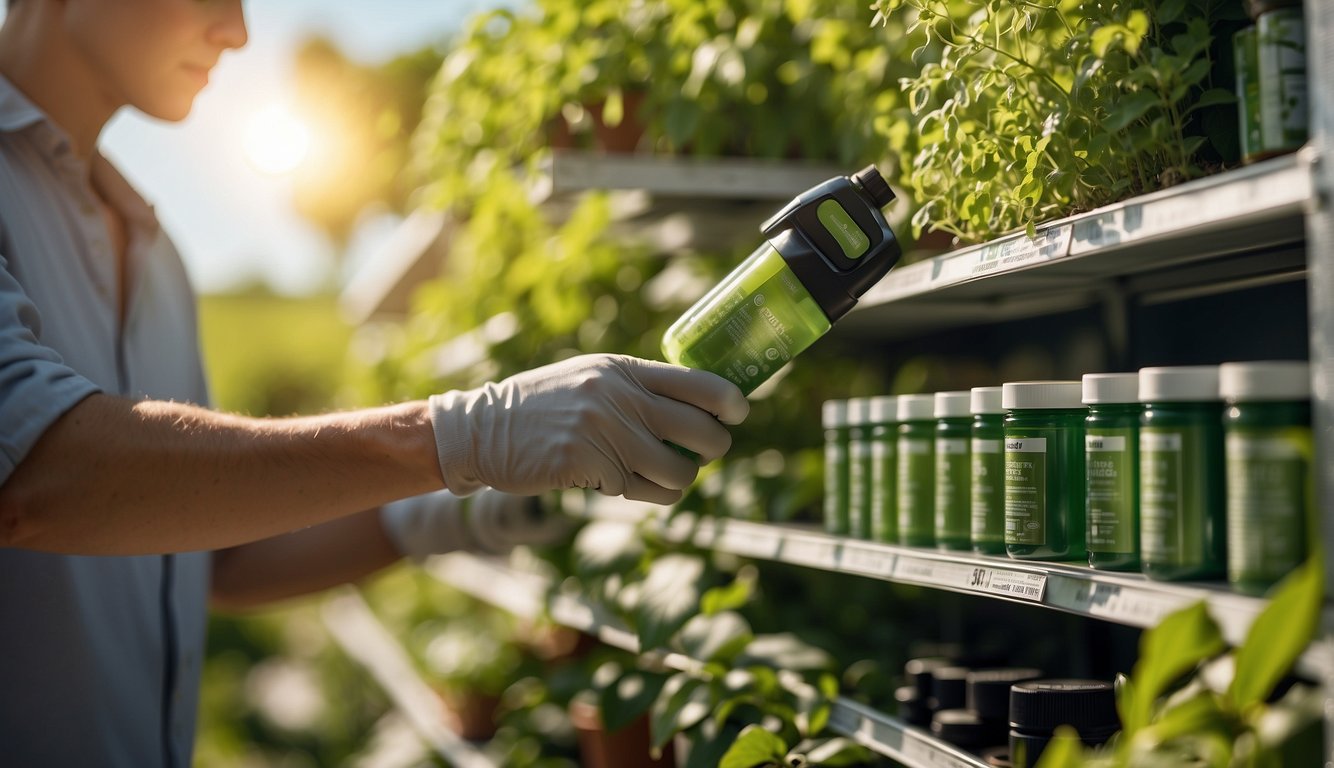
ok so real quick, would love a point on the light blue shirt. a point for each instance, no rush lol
(99, 656)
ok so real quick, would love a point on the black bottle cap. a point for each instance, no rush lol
(1039, 706)
(963, 728)
(874, 185)
(911, 707)
(919, 673)
(949, 688)
(989, 690)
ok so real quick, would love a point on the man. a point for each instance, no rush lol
(123, 500)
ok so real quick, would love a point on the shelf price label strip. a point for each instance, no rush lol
(970, 577)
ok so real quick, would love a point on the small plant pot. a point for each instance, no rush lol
(470, 714)
(625, 136)
(626, 748)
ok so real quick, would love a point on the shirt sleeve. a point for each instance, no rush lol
(36, 387)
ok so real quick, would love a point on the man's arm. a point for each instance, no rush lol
(337, 552)
(116, 477)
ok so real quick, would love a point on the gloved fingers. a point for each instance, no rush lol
(698, 388)
(689, 427)
(639, 489)
(655, 461)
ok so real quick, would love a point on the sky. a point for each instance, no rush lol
(234, 224)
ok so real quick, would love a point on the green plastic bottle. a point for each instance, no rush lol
(884, 468)
(1044, 470)
(859, 468)
(834, 419)
(824, 250)
(987, 482)
(954, 430)
(1183, 532)
(917, 470)
(1270, 470)
(1111, 452)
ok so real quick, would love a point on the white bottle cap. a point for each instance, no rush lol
(858, 410)
(1265, 380)
(951, 405)
(917, 407)
(1179, 384)
(884, 409)
(1111, 388)
(986, 400)
(1019, 395)
(834, 414)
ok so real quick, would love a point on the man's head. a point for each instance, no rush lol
(154, 55)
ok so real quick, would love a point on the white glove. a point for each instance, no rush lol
(490, 522)
(596, 421)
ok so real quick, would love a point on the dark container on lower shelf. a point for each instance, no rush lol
(1039, 707)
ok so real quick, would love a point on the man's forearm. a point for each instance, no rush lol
(118, 477)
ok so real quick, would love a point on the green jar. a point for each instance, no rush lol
(834, 419)
(1281, 58)
(884, 468)
(1181, 498)
(1111, 452)
(917, 470)
(954, 431)
(987, 480)
(1246, 59)
(859, 468)
(1044, 470)
(1270, 470)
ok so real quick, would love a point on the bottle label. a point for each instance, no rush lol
(1171, 525)
(1281, 51)
(840, 225)
(987, 492)
(884, 485)
(1026, 490)
(1268, 502)
(859, 488)
(1110, 466)
(916, 487)
(835, 486)
(953, 476)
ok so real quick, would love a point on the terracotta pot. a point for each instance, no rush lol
(625, 136)
(470, 714)
(626, 748)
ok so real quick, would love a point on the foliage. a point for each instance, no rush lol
(1047, 108)
(1222, 715)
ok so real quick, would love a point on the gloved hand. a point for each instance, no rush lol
(595, 421)
(490, 522)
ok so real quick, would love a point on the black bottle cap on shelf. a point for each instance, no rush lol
(949, 688)
(963, 728)
(1089, 706)
(1258, 8)
(911, 707)
(919, 671)
(989, 690)
(874, 185)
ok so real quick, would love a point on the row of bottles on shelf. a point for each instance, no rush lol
(1187, 472)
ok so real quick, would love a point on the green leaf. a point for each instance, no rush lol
(755, 746)
(1196, 715)
(683, 702)
(1129, 109)
(1170, 10)
(784, 651)
(670, 596)
(1279, 634)
(728, 597)
(1212, 97)
(709, 742)
(1178, 644)
(629, 697)
(838, 752)
(604, 547)
(715, 638)
(1065, 750)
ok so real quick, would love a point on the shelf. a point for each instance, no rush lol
(361, 635)
(1220, 219)
(527, 595)
(1129, 599)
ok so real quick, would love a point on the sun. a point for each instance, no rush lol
(275, 140)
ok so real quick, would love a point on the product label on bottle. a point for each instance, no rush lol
(1281, 51)
(1245, 55)
(1268, 501)
(987, 492)
(953, 477)
(1026, 490)
(850, 237)
(859, 488)
(1110, 468)
(884, 489)
(835, 486)
(1171, 525)
(916, 488)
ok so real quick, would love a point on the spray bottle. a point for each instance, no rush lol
(823, 251)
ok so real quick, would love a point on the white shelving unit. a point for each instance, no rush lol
(527, 595)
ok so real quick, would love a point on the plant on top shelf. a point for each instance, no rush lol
(1029, 110)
